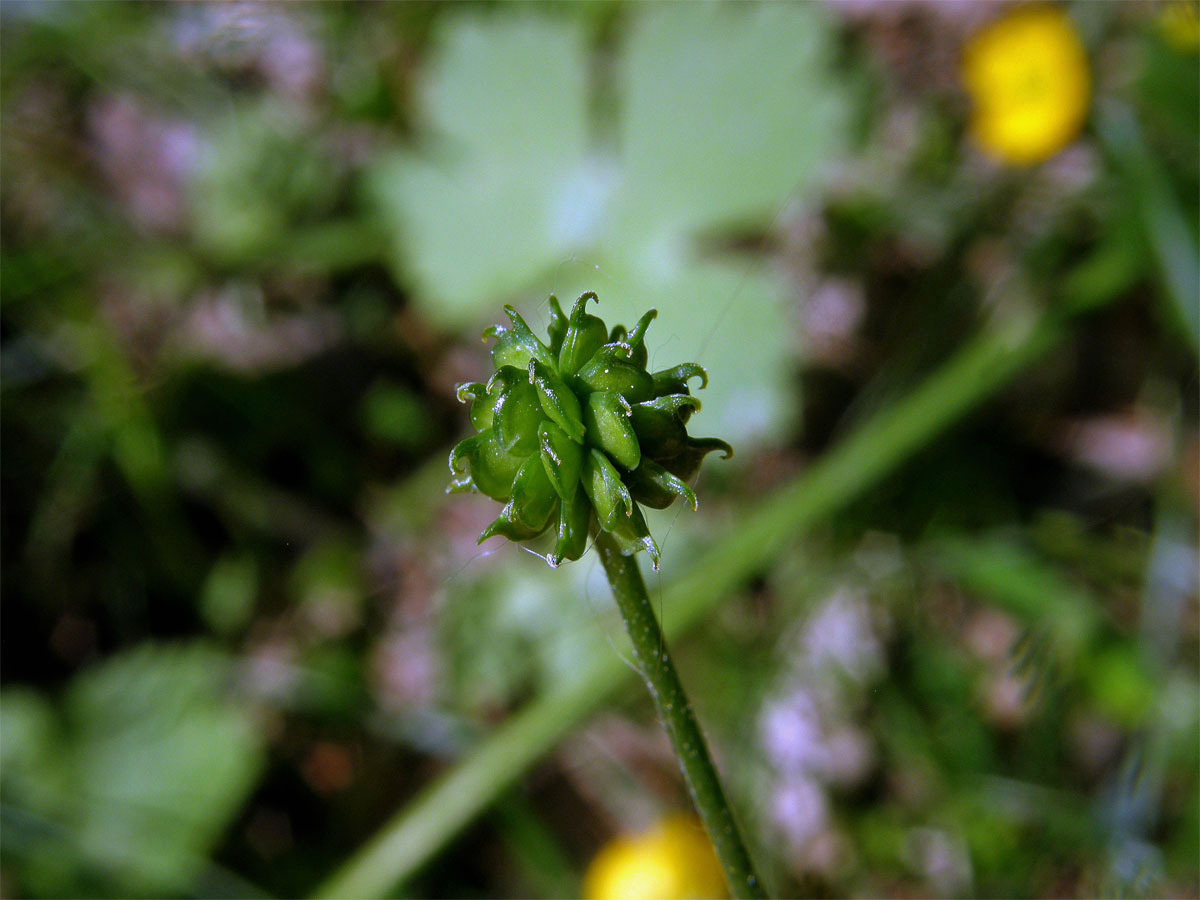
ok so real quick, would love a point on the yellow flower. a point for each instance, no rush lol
(1027, 75)
(1179, 23)
(672, 861)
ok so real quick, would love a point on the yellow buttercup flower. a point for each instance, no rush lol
(1179, 24)
(1028, 78)
(672, 861)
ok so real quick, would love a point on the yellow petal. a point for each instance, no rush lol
(1028, 78)
(672, 861)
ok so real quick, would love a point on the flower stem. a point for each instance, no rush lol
(654, 662)
(875, 450)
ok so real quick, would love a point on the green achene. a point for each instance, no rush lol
(575, 434)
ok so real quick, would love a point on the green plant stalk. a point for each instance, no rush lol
(1171, 241)
(654, 662)
(878, 447)
(540, 860)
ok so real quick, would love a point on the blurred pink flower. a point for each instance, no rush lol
(840, 634)
(801, 811)
(405, 670)
(792, 735)
(831, 318)
(145, 159)
(231, 328)
(1131, 446)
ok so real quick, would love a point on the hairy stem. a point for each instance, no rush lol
(874, 450)
(654, 662)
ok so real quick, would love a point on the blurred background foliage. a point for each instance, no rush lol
(247, 250)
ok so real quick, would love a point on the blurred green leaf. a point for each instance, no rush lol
(141, 768)
(30, 744)
(397, 414)
(726, 315)
(227, 599)
(517, 629)
(327, 586)
(724, 115)
(260, 175)
(475, 214)
(1022, 583)
(728, 112)
(1171, 237)
(1169, 84)
(536, 851)
(1120, 686)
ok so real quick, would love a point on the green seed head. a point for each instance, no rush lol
(573, 435)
